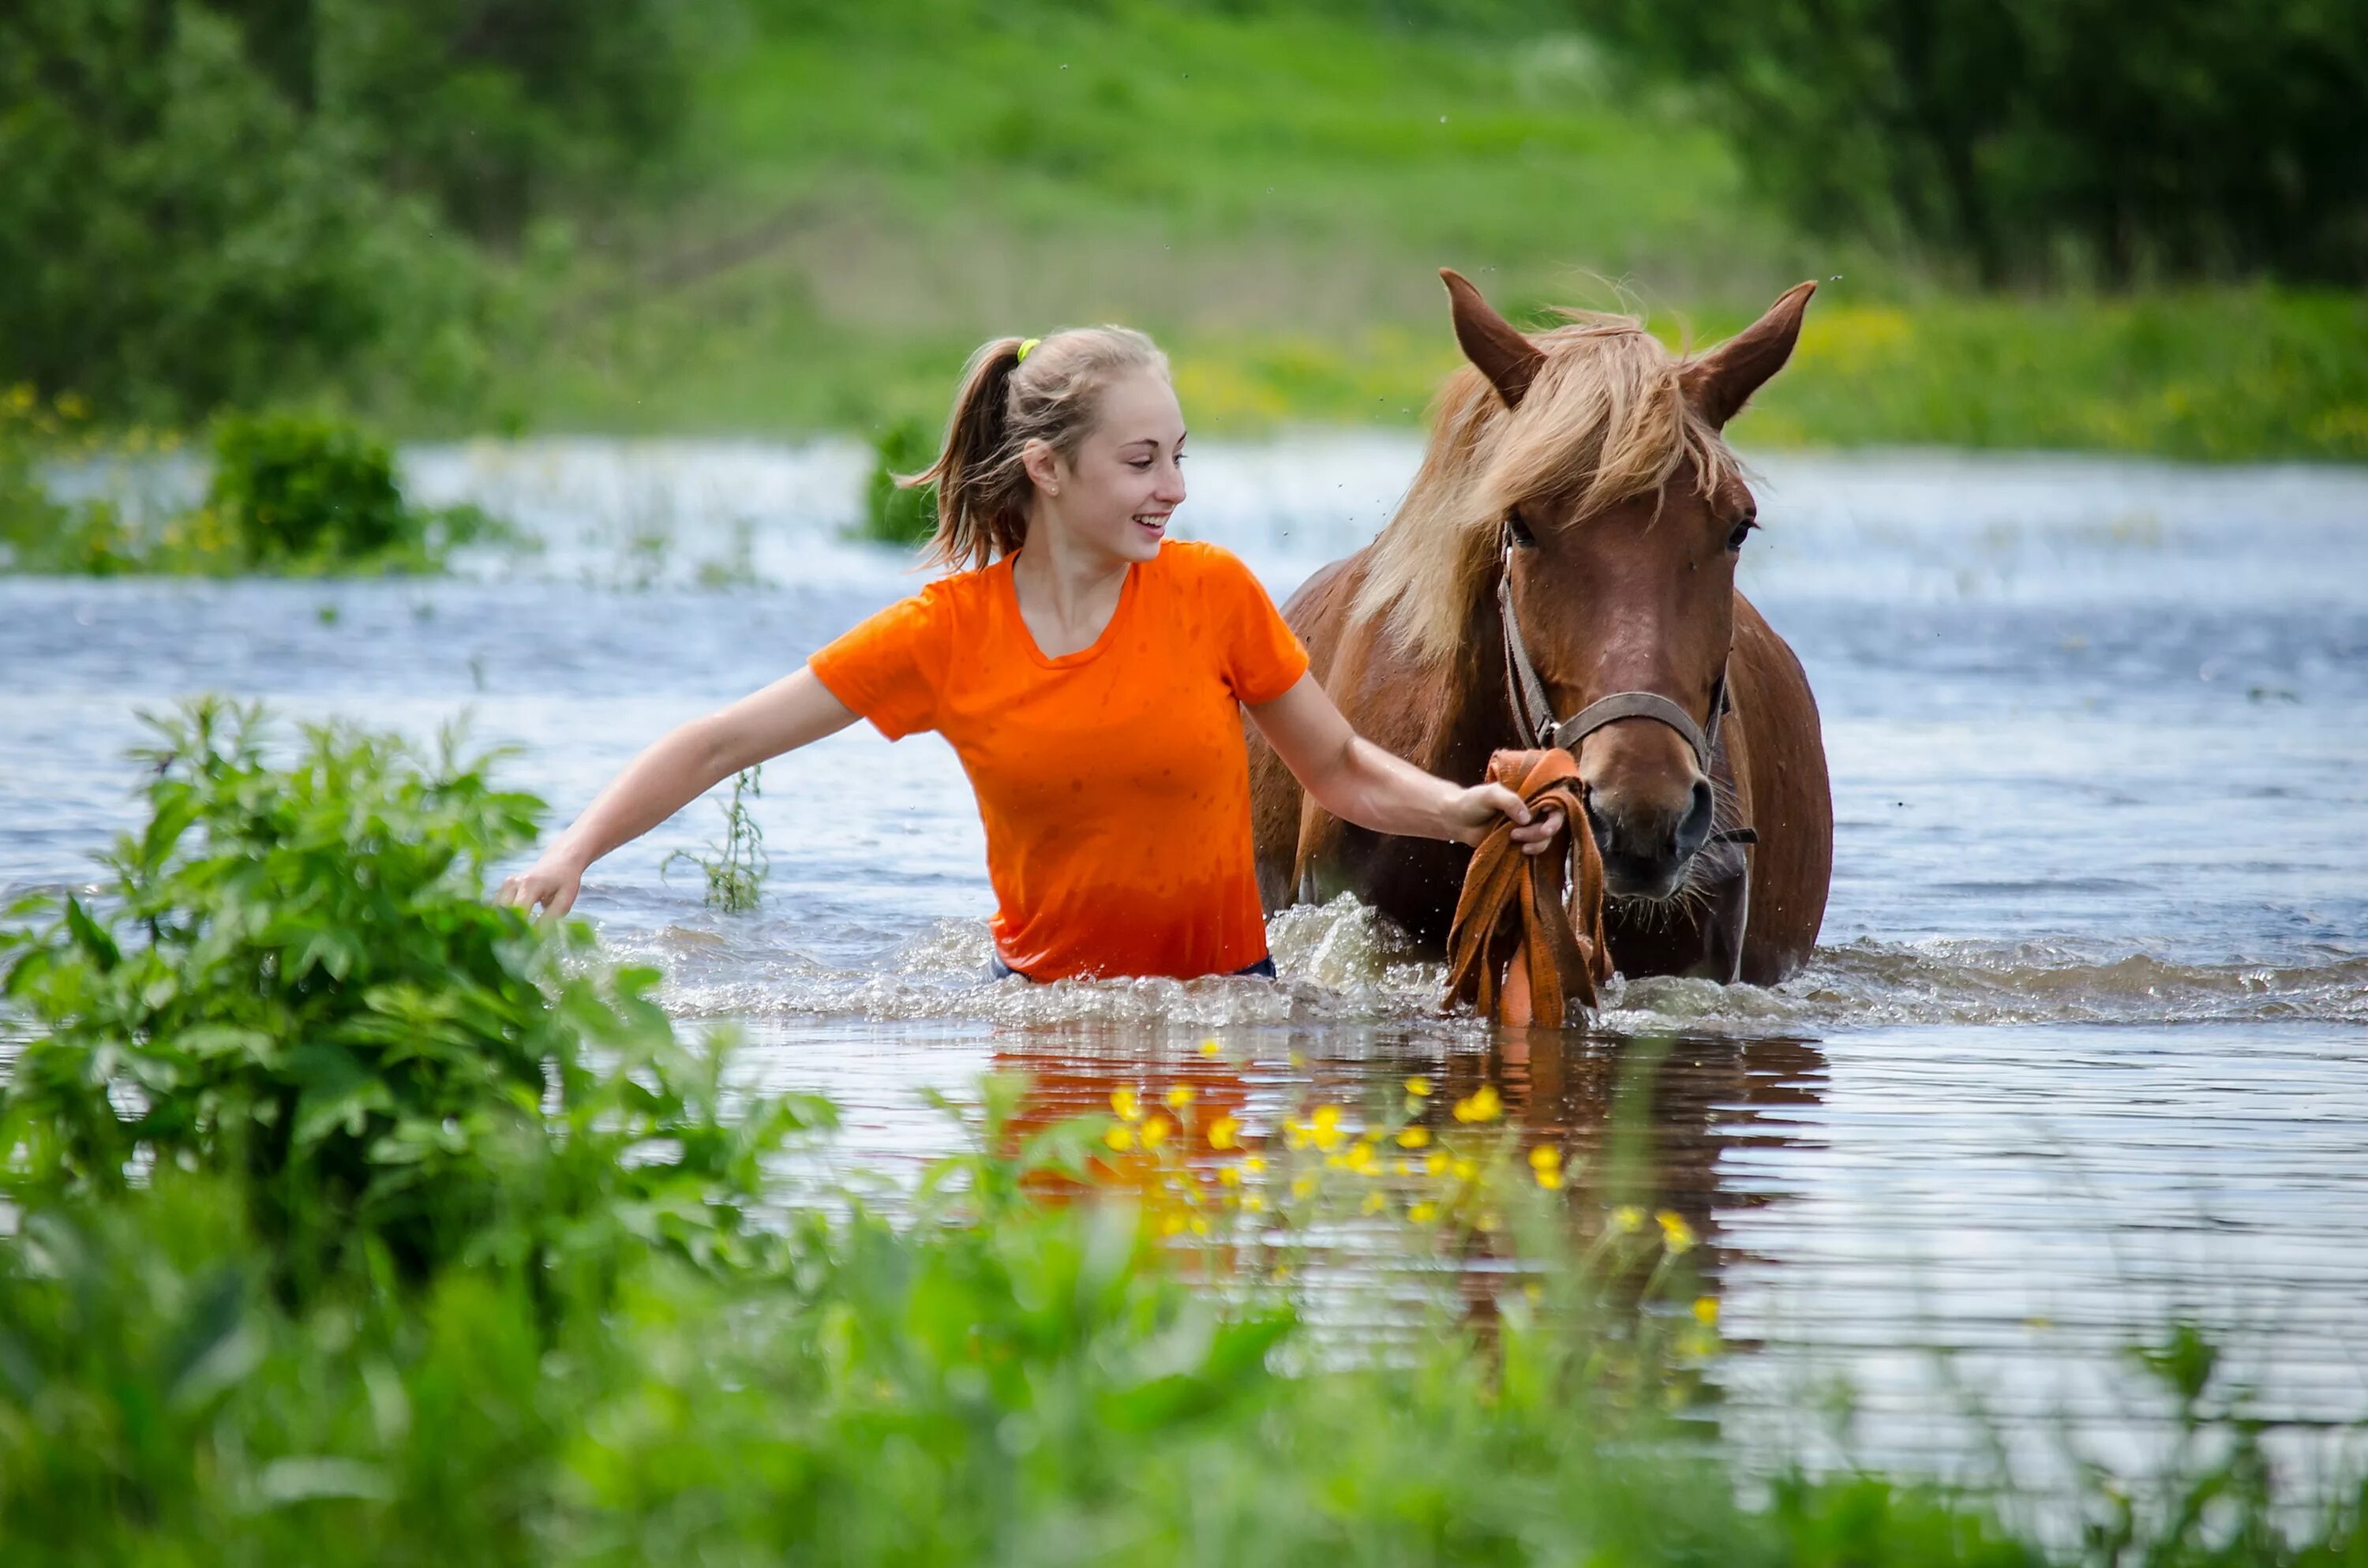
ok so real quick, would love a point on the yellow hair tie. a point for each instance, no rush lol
(1025, 348)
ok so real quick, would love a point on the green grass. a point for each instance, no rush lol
(875, 188)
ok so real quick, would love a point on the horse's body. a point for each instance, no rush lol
(1614, 593)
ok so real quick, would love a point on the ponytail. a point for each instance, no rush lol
(1014, 391)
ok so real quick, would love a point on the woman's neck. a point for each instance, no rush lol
(1068, 593)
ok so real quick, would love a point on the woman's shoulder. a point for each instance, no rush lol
(1200, 562)
(958, 591)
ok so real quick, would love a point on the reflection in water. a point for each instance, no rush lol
(1643, 1123)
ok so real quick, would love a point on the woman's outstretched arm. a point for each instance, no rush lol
(1358, 781)
(689, 761)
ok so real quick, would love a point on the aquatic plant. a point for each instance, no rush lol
(297, 493)
(735, 868)
(290, 494)
(291, 975)
(894, 513)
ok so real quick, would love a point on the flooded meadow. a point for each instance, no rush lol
(2084, 1049)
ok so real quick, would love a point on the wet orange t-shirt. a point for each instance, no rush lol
(1113, 781)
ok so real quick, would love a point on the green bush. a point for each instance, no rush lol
(294, 488)
(292, 977)
(900, 513)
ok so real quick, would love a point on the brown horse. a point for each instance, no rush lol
(1568, 547)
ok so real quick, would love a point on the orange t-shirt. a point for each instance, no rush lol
(1113, 781)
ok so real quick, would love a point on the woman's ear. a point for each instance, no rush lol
(1044, 465)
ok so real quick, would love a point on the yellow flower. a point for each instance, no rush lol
(1199, 1226)
(1156, 1131)
(1171, 1225)
(1482, 1105)
(1127, 1104)
(1225, 1132)
(1302, 1187)
(1254, 1204)
(1628, 1217)
(1209, 1047)
(1435, 1165)
(1545, 1163)
(1464, 1170)
(1361, 1158)
(1374, 1203)
(1419, 1087)
(1423, 1213)
(1253, 1164)
(1180, 1096)
(1399, 1167)
(1413, 1138)
(1229, 1176)
(1295, 1134)
(72, 405)
(1120, 1137)
(1676, 1234)
(1706, 1311)
(1328, 1138)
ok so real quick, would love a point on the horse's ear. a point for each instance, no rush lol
(1496, 345)
(1720, 382)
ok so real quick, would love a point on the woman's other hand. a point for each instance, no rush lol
(550, 884)
(1475, 813)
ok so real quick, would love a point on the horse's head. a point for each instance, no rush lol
(1599, 476)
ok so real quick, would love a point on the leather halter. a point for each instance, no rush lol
(1534, 712)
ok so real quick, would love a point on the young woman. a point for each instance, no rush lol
(1089, 672)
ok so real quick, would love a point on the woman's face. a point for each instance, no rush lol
(1115, 493)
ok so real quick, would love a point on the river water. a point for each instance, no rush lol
(2085, 1048)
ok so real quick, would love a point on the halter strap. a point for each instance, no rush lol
(1533, 711)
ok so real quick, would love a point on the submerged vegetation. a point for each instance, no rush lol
(895, 513)
(352, 1218)
(735, 869)
(290, 494)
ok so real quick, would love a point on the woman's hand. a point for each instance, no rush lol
(552, 883)
(1476, 811)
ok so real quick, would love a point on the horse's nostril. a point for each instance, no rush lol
(1597, 822)
(1696, 826)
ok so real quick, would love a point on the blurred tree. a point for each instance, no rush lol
(217, 202)
(173, 234)
(2040, 138)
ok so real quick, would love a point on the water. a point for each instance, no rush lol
(2082, 1049)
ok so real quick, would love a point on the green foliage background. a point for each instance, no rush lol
(2094, 226)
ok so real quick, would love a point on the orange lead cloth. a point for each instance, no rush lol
(1113, 781)
(1514, 951)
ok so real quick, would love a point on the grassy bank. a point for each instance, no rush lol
(352, 1220)
(876, 188)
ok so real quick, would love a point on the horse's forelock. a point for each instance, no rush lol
(1604, 420)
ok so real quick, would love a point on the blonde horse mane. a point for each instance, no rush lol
(1604, 420)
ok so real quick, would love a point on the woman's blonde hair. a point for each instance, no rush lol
(1051, 392)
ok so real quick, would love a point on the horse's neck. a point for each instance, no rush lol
(1473, 711)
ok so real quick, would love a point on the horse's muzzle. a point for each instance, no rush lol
(1647, 847)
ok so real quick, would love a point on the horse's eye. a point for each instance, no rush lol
(1520, 529)
(1742, 531)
